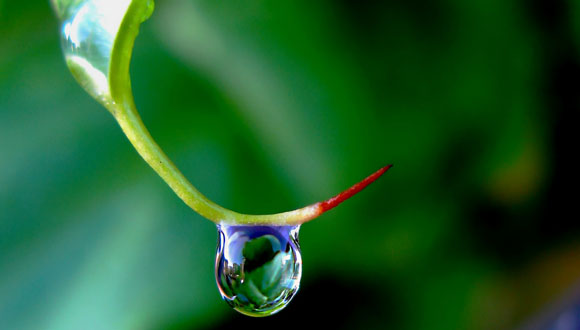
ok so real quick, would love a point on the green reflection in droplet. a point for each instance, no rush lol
(258, 268)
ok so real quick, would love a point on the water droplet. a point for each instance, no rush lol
(88, 34)
(258, 268)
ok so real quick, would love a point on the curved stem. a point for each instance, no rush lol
(117, 97)
(128, 118)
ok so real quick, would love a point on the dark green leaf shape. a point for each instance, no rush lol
(259, 251)
(265, 275)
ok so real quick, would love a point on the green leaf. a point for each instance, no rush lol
(259, 251)
(268, 278)
(265, 265)
(253, 293)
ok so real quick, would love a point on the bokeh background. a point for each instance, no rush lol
(270, 105)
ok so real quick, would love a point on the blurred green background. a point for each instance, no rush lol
(270, 105)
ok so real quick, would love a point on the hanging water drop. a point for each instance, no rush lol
(258, 268)
(89, 32)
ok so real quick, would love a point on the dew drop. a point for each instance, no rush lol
(88, 34)
(258, 268)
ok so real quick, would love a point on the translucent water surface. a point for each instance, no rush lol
(88, 33)
(258, 268)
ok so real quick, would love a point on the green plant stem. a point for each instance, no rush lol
(117, 97)
(128, 118)
(122, 106)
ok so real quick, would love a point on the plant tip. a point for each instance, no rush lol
(336, 200)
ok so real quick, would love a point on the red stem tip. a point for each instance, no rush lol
(334, 201)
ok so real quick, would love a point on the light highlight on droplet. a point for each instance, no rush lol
(258, 268)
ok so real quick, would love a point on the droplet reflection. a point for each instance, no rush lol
(88, 33)
(258, 268)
